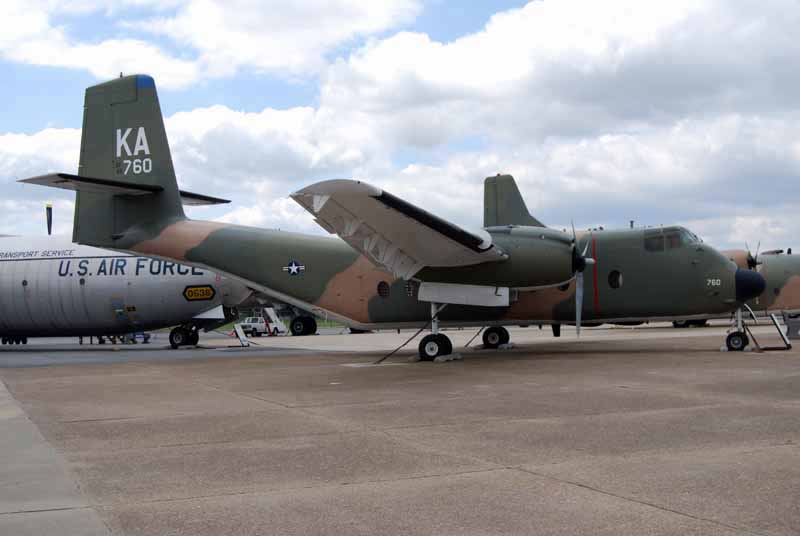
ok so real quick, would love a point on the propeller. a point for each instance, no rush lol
(49, 212)
(579, 263)
(752, 261)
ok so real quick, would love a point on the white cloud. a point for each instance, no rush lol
(275, 35)
(216, 38)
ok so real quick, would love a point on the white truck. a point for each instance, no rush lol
(256, 326)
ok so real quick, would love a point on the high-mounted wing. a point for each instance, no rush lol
(393, 233)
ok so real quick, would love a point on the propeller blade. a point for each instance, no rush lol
(49, 213)
(578, 302)
(586, 247)
(574, 235)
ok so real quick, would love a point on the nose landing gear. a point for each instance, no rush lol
(737, 341)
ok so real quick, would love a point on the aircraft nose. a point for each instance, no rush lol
(749, 284)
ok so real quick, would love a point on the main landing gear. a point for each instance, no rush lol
(495, 337)
(303, 325)
(15, 340)
(436, 344)
(184, 336)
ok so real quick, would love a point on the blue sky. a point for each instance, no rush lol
(52, 97)
(665, 113)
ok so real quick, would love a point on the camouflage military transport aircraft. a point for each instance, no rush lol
(396, 265)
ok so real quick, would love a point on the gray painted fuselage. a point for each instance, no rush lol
(51, 287)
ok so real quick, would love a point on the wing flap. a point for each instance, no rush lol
(393, 233)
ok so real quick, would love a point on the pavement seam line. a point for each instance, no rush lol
(309, 487)
(42, 510)
(639, 501)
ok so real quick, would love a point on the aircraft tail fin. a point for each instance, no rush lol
(125, 175)
(503, 204)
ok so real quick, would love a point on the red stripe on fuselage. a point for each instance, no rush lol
(594, 276)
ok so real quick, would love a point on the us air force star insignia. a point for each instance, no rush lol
(294, 268)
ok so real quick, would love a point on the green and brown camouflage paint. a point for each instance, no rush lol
(337, 280)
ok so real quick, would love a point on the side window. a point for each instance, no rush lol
(673, 240)
(654, 242)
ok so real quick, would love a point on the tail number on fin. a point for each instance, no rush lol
(138, 166)
(140, 145)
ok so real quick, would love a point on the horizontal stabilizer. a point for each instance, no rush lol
(391, 232)
(197, 200)
(76, 183)
(65, 181)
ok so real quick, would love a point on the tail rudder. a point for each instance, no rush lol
(124, 140)
(503, 204)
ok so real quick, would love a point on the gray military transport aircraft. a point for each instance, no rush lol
(396, 265)
(50, 287)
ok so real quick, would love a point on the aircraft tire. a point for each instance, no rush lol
(737, 341)
(24, 340)
(492, 338)
(311, 325)
(298, 326)
(430, 347)
(447, 345)
(194, 338)
(178, 337)
(5, 340)
(505, 335)
(680, 324)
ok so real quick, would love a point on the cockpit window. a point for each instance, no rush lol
(668, 238)
(654, 242)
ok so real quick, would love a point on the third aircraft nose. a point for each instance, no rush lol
(749, 284)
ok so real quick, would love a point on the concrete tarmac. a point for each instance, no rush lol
(627, 431)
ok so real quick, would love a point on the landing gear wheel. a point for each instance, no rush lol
(737, 341)
(680, 324)
(432, 346)
(178, 337)
(303, 325)
(504, 336)
(311, 325)
(298, 326)
(5, 340)
(493, 337)
(24, 340)
(194, 338)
